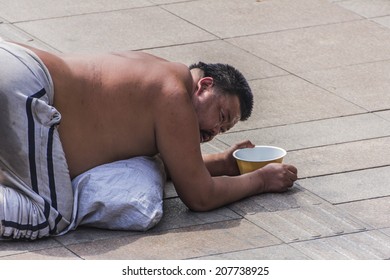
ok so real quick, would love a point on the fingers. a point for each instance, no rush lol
(291, 175)
(292, 168)
(292, 172)
(279, 177)
(245, 144)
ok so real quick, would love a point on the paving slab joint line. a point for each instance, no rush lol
(32, 38)
(306, 121)
(81, 14)
(176, 45)
(359, 200)
(294, 28)
(344, 172)
(189, 22)
(329, 236)
(243, 250)
(342, 143)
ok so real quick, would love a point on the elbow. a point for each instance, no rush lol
(200, 204)
(200, 199)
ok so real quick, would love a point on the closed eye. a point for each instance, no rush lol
(222, 116)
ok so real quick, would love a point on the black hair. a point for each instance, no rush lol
(230, 81)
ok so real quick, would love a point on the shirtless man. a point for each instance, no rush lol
(121, 105)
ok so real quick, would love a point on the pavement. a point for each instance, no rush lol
(320, 73)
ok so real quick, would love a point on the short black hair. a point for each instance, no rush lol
(230, 81)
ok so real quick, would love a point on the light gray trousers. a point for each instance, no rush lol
(36, 197)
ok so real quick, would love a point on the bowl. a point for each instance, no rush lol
(250, 159)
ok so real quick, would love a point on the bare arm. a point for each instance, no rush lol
(224, 163)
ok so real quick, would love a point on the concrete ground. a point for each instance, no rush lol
(320, 73)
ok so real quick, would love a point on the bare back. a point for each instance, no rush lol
(109, 104)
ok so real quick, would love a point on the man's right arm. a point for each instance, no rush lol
(177, 136)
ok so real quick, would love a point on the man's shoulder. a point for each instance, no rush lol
(176, 88)
(176, 78)
(164, 71)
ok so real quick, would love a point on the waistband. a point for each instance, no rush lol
(32, 62)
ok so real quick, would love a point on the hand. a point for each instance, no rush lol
(278, 177)
(230, 162)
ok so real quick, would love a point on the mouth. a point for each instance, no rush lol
(206, 136)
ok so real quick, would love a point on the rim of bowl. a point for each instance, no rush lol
(260, 146)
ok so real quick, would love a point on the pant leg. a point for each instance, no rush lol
(29, 215)
(37, 197)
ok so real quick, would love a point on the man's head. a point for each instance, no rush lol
(228, 80)
(222, 97)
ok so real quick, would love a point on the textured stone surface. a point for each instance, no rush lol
(340, 158)
(375, 212)
(358, 185)
(370, 245)
(277, 252)
(320, 47)
(316, 133)
(184, 243)
(319, 70)
(305, 223)
(367, 8)
(130, 30)
(364, 84)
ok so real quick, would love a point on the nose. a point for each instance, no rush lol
(216, 130)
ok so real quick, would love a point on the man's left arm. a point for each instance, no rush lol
(224, 163)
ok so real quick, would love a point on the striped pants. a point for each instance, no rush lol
(36, 197)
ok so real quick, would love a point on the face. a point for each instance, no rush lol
(217, 113)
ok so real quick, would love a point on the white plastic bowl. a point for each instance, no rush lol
(250, 159)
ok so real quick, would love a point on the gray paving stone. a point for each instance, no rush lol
(117, 30)
(87, 234)
(320, 47)
(384, 21)
(386, 231)
(214, 146)
(219, 51)
(182, 243)
(59, 253)
(24, 10)
(169, 190)
(358, 185)
(367, 8)
(295, 198)
(289, 99)
(227, 18)
(305, 223)
(10, 33)
(168, 1)
(365, 84)
(315, 133)
(375, 212)
(370, 245)
(277, 252)
(10, 247)
(177, 215)
(384, 114)
(341, 158)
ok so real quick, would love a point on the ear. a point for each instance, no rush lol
(204, 84)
